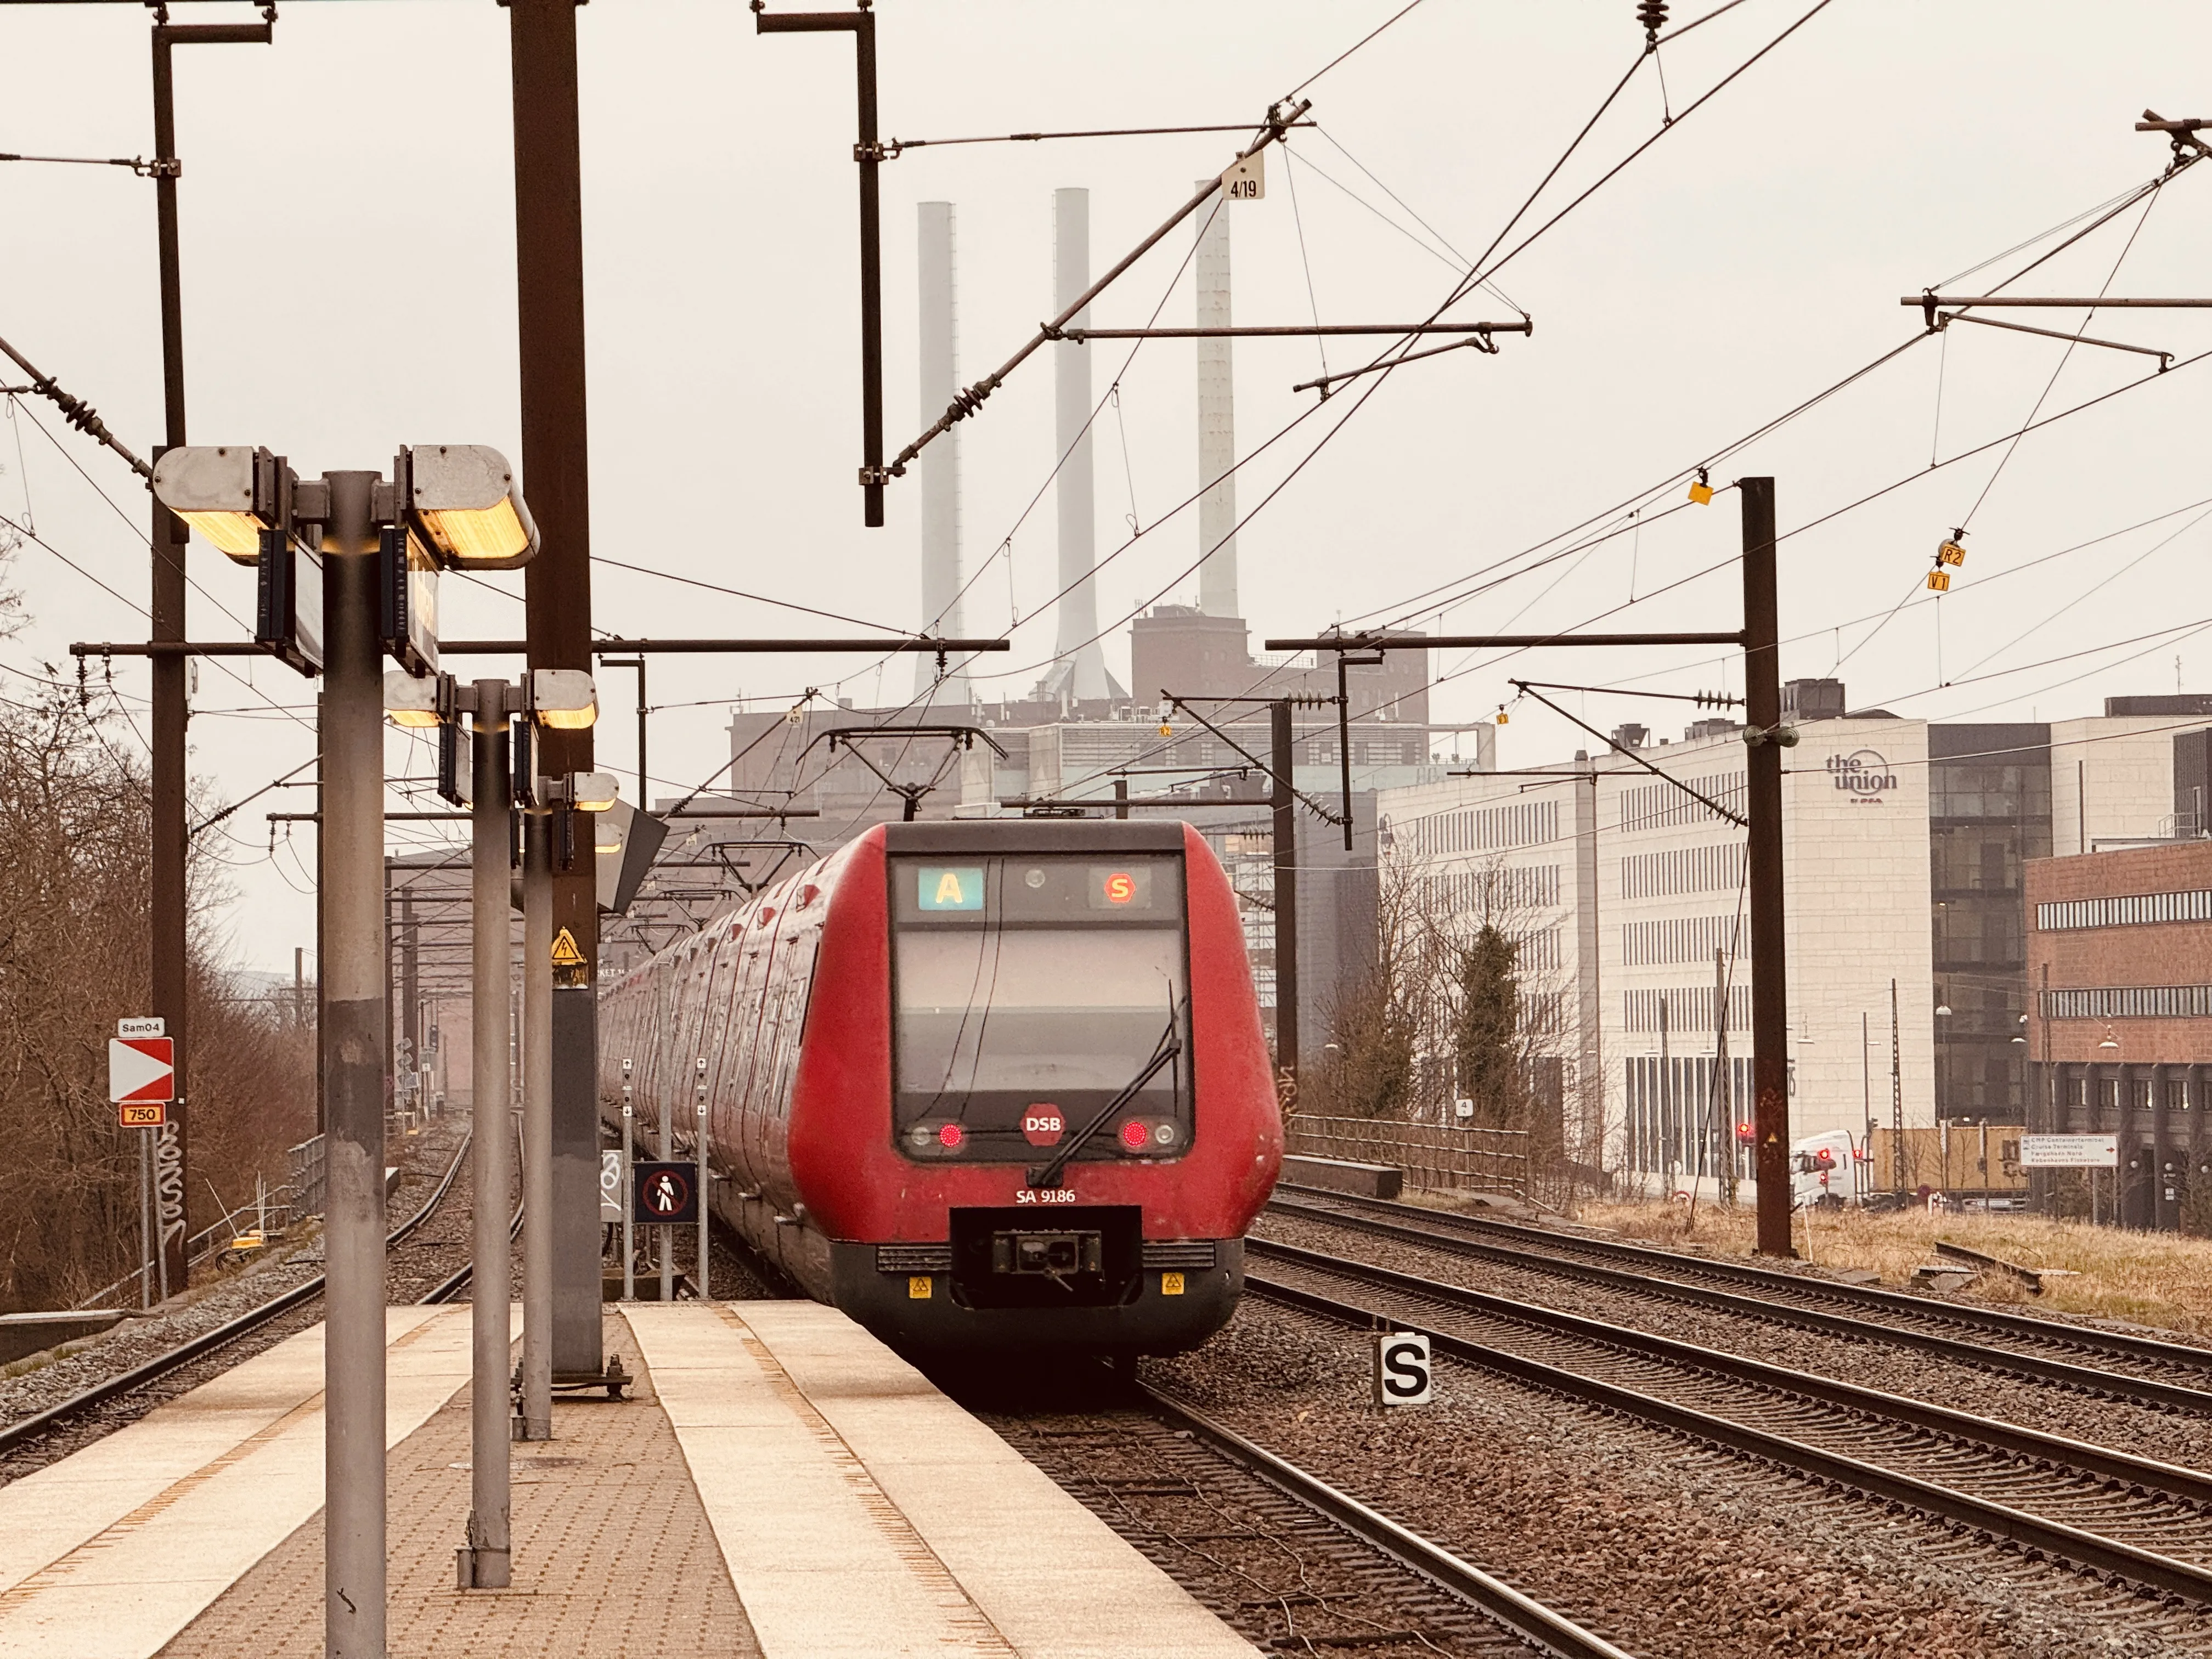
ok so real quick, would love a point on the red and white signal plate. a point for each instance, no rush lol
(141, 1074)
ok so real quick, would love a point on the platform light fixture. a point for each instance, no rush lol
(417, 703)
(225, 491)
(464, 501)
(592, 792)
(563, 698)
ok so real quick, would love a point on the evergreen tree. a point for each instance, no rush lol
(1485, 1041)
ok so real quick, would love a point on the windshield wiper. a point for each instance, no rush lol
(1048, 1174)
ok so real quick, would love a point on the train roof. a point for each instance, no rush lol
(981, 835)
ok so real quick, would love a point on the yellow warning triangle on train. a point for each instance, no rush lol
(565, 953)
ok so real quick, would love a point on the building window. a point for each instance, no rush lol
(1683, 938)
(1682, 870)
(1689, 1009)
(2130, 1002)
(1482, 830)
(1663, 807)
(1491, 893)
(2128, 910)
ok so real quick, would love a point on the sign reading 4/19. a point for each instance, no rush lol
(1245, 180)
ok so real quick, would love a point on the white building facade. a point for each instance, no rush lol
(1627, 894)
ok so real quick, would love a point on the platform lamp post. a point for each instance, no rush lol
(499, 782)
(348, 568)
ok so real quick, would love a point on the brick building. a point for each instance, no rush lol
(2119, 1034)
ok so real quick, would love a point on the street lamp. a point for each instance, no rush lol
(503, 774)
(350, 527)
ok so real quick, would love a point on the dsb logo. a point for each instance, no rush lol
(1403, 1374)
(1043, 1125)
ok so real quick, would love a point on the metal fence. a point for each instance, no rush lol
(1432, 1155)
(305, 1187)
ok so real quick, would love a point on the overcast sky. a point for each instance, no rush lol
(350, 259)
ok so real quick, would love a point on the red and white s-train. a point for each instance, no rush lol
(987, 1083)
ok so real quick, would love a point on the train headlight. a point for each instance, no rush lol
(1163, 1133)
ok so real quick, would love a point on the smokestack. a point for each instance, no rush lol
(1217, 418)
(1081, 670)
(940, 462)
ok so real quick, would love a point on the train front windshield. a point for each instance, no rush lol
(1029, 994)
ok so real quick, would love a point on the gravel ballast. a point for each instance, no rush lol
(1665, 1546)
(2144, 1430)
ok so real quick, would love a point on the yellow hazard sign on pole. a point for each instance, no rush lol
(568, 961)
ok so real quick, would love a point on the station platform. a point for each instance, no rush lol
(782, 1484)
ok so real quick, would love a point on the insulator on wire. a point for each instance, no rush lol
(1652, 14)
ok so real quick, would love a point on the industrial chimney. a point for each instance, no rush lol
(941, 463)
(1217, 417)
(1080, 672)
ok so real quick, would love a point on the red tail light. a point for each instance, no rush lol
(1135, 1137)
(951, 1137)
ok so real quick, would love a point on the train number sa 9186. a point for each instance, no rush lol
(1044, 1195)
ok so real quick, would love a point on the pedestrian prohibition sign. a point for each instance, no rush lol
(667, 1194)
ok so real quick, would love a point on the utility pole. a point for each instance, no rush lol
(868, 152)
(556, 467)
(166, 913)
(1896, 1099)
(1284, 756)
(1724, 1081)
(355, 1058)
(485, 1561)
(1770, 1007)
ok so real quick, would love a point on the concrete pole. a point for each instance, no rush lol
(486, 1559)
(939, 464)
(1217, 417)
(537, 1126)
(1283, 756)
(705, 1192)
(355, 1057)
(1078, 648)
(629, 1202)
(666, 1234)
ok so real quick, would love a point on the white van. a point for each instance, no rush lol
(1825, 1166)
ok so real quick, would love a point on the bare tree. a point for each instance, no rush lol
(74, 890)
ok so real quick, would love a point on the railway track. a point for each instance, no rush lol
(2123, 1518)
(16, 1437)
(2115, 1364)
(1294, 1564)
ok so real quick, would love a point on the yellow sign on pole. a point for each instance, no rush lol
(568, 961)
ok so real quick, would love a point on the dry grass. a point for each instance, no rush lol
(2146, 1278)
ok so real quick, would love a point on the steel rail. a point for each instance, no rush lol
(1547, 1630)
(2006, 1525)
(19, 1434)
(454, 1283)
(2191, 1486)
(2120, 1343)
(2170, 1396)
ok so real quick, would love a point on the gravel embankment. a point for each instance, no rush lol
(1666, 1547)
(421, 1261)
(2144, 1430)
